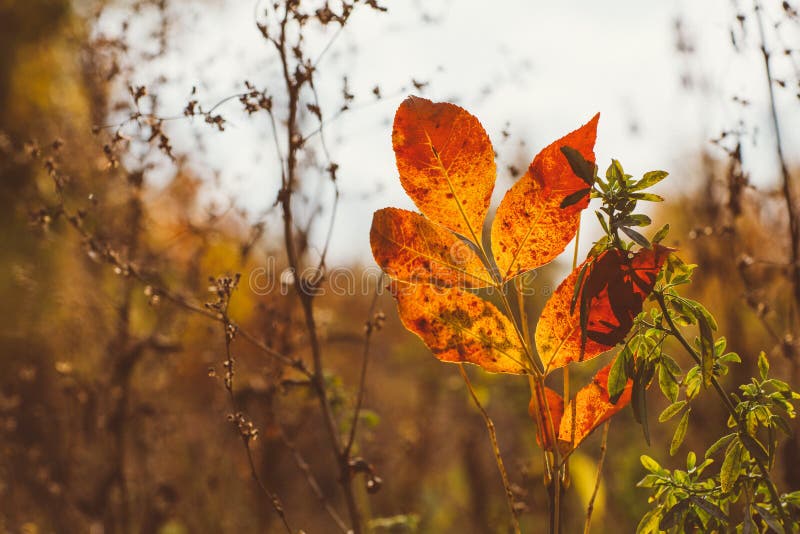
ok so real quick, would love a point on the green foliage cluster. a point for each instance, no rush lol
(741, 493)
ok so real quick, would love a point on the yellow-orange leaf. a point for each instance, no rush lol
(446, 163)
(592, 408)
(558, 332)
(460, 327)
(410, 248)
(555, 404)
(530, 227)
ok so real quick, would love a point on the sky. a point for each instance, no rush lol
(536, 69)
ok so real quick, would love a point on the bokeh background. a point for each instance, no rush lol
(112, 405)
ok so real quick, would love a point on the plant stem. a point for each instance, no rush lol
(495, 447)
(600, 461)
(545, 423)
(785, 522)
(794, 221)
(293, 146)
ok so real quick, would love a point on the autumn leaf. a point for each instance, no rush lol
(446, 163)
(530, 227)
(558, 332)
(460, 327)
(410, 248)
(613, 290)
(555, 404)
(592, 408)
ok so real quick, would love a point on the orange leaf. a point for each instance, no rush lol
(410, 248)
(592, 407)
(558, 332)
(446, 163)
(613, 290)
(530, 227)
(555, 404)
(460, 327)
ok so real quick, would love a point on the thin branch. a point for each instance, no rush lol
(495, 447)
(302, 465)
(369, 328)
(791, 205)
(598, 479)
(246, 430)
(294, 145)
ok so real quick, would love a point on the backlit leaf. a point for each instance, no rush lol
(555, 404)
(649, 179)
(618, 376)
(558, 332)
(530, 227)
(612, 293)
(410, 248)
(731, 465)
(446, 163)
(680, 433)
(592, 407)
(671, 517)
(460, 327)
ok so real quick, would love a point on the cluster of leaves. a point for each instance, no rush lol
(446, 165)
(757, 417)
(437, 258)
(685, 499)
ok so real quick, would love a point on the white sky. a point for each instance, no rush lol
(543, 67)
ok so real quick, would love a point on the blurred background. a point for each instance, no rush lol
(134, 174)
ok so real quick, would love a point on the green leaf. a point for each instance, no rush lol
(637, 238)
(671, 411)
(650, 464)
(692, 382)
(793, 498)
(719, 444)
(602, 221)
(639, 403)
(637, 219)
(691, 460)
(661, 234)
(706, 350)
(649, 522)
(769, 518)
(647, 197)
(729, 357)
(763, 365)
(731, 466)
(754, 447)
(617, 377)
(669, 363)
(649, 179)
(680, 433)
(699, 310)
(585, 170)
(671, 516)
(614, 173)
(574, 198)
(749, 526)
(710, 508)
(648, 481)
(666, 381)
